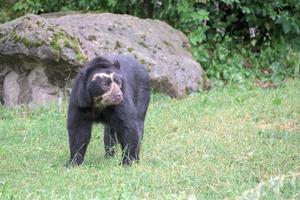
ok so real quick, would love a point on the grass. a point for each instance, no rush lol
(230, 143)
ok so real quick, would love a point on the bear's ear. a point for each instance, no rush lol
(117, 64)
(84, 72)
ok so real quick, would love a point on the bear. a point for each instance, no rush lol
(115, 91)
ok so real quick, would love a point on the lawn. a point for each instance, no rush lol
(235, 142)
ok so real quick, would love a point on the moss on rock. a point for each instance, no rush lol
(62, 40)
(25, 41)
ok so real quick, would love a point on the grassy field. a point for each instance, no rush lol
(230, 143)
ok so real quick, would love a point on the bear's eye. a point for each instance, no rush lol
(118, 79)
(119, 82)
(105, 84)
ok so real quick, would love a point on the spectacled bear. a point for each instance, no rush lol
(115, 91)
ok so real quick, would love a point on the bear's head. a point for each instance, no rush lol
(105, 88)
(101, 84)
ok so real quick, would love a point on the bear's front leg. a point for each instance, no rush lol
(79, 138)
(130, 138)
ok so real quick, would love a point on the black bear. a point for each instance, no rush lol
(115, 91)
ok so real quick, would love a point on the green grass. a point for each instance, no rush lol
(233, 142)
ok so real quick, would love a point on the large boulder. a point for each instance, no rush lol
(40, 55)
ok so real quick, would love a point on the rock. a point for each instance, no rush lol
(3, 72)
(11, 89)
(41, 90)
(43, 53)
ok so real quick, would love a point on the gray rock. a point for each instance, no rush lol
(11, 89)
(4, 71)
(44, 53)
(41, 90)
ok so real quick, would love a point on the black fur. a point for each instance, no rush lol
(124, 123)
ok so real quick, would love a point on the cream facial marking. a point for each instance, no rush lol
(113, 95)
(101, 75)
(113, 85)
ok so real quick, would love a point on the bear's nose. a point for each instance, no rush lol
(119, 96)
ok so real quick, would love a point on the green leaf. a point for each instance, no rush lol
(286, 27)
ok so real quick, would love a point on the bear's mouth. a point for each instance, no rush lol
(118, 100)
(97, 101)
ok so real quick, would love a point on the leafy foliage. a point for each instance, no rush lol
(232, 39)
(6, 11)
